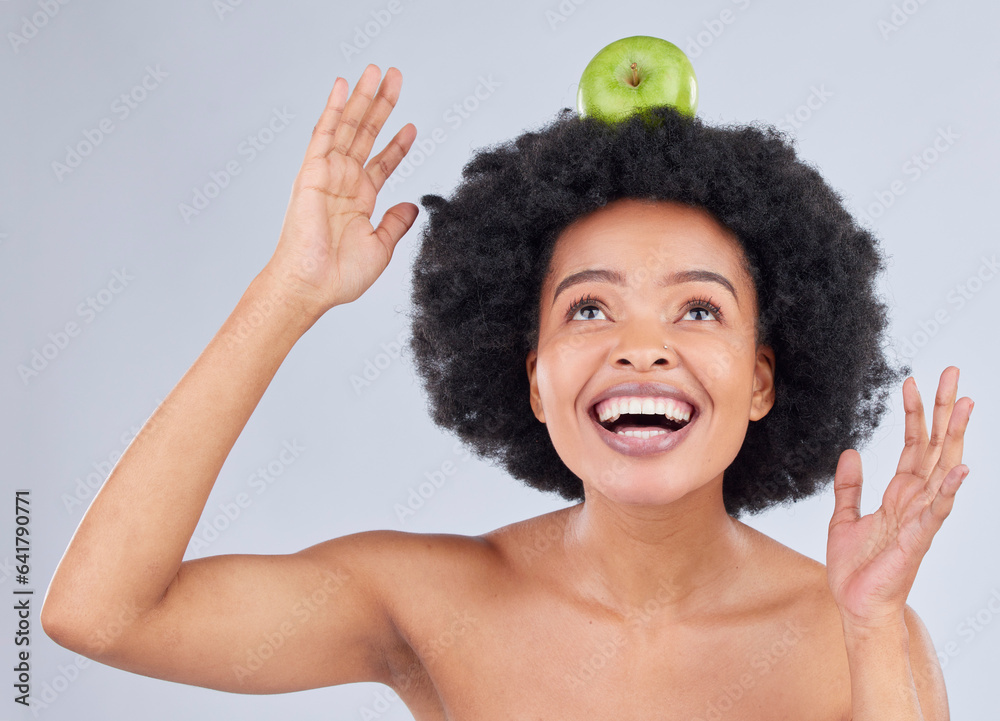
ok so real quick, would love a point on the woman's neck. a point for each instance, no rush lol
(678, 558)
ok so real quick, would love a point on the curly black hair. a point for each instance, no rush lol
(484, 253)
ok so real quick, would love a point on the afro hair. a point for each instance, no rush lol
(484, 253)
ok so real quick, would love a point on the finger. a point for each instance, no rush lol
(915, 429)
(322, 135)
(397, 220)
(371, 124)
(847, 488)
(935, 513)
(953, 445)
(354, 111)
(944, 403)
(381, 166)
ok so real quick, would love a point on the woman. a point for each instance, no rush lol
(648, 599)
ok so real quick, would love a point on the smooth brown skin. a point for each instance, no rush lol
(646, 601)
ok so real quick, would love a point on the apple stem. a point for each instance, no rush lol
(635, 75)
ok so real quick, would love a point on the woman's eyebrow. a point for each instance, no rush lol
(618, 278)
(697, 275)
(588, 276)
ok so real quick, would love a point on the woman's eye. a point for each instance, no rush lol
(701, 309)
(588, 308)
(587, 312)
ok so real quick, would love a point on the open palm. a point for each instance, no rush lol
(872, 560)
(328, 251)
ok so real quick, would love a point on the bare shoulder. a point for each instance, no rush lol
(820, 619)
(799, 582)
(809, 623)
(928, 676)
(423, 582)
(777, 558)
(408, 571)
(434, 586)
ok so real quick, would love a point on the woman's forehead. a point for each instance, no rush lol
(648, 237)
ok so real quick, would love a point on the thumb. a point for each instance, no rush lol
(847, 488)
(395, 222)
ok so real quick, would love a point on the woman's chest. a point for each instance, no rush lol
(482, 659)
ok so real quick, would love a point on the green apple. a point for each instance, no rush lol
(635, 73)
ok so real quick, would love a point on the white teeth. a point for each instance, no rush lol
(612, 409)
(641, 434)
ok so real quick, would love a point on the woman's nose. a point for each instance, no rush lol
(641, 345)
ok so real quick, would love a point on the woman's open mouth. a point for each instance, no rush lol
(638, 426)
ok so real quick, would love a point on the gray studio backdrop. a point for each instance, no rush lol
(148, 152)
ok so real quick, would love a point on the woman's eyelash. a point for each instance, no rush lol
(694, 303)
(579, 303)
(704, 303)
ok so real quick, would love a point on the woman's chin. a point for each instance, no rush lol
(640, 490)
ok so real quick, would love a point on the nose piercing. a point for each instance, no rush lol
(664, 348)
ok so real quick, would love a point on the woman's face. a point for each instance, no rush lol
(609, 325)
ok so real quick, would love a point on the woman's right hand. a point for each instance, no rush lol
(328, 252)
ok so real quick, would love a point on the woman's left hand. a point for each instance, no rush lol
(871, 561)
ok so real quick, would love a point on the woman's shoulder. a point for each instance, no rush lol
(795, 571)
(464, 601)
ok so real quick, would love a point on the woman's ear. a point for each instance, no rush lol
(763, 384)
(536, 399)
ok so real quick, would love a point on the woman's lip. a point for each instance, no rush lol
(632, 446)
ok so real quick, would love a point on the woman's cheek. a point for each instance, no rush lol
(726, 361)
(721, 364)
(552, 379)
(570, 348)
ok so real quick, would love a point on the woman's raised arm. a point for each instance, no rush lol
(121, 593)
